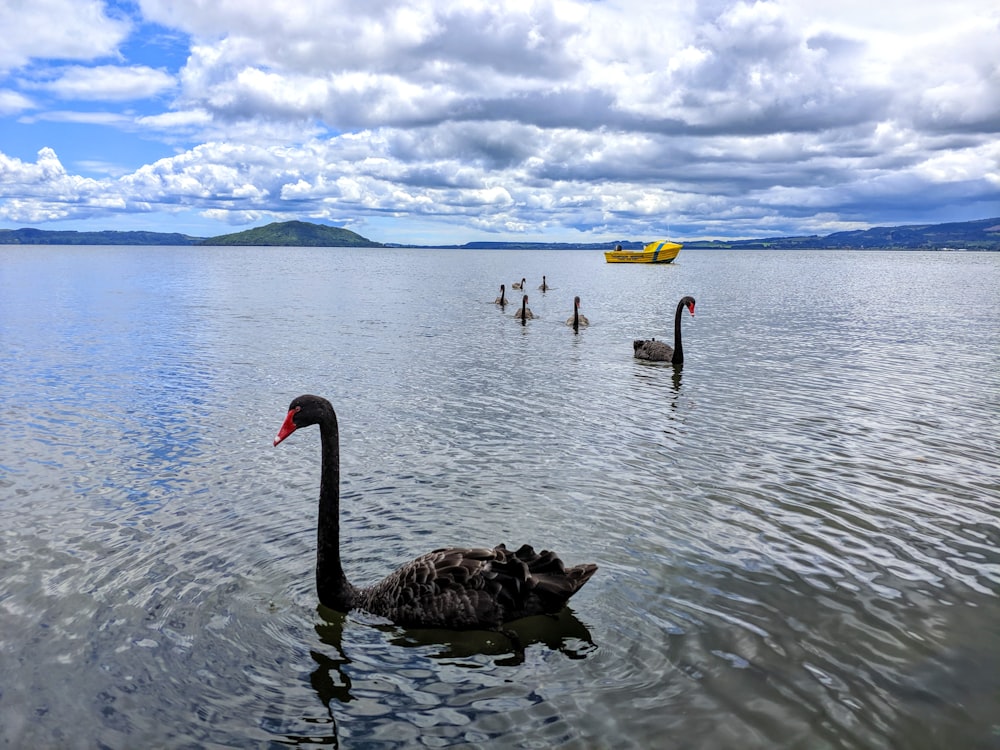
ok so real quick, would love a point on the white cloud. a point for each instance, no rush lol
(12, 102)
(747, 67)
(57, 29)
(111, 119)
(176, 120)
(109, 83)
(548, 115)
(44, 191)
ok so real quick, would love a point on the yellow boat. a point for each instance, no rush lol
(661, 251)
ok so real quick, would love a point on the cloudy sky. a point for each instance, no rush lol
(459, 120)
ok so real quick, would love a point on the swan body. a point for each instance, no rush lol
(653, 350)
(576, 319)
(524, 313)
(502, 299)
(516, 285)
(657, 351)
(474, 588)
(459, 588)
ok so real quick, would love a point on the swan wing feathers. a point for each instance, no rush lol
(475, 587)
(653, 349)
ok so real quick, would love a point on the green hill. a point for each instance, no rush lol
(294, 234)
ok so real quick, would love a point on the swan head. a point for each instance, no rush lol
(576, 302)
(302, 412)
(688, 302)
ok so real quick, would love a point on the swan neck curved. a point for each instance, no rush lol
(331, 584)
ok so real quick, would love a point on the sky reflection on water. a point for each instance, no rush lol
(797, 533)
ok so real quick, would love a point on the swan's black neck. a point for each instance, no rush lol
(331, 584)
(524, 312)
(576, 317)
(678, 358)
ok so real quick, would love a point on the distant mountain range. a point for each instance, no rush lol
(278, 234)
(983, 234)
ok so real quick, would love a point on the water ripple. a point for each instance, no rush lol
(797, 533)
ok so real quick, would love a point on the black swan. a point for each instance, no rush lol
(657, 350)
(545, 285)
(524, 313)
(475, 588)
(502, 299)
(515, 285)
(577, 320)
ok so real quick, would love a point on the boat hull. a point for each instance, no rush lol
(661, 251)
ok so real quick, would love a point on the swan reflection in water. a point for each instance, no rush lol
(652, 375)
(562, 632)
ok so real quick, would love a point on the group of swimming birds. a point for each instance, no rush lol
(458, 588)
(649, 349)
(524, 313)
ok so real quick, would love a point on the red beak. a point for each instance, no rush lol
(691, 308)
(287, 427)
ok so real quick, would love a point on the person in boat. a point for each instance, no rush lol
(618, 248)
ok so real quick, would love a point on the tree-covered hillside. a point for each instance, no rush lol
(296, 234)
(983, 234)
(29, 236)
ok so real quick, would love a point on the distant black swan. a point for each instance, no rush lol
(516, 285)
(657, 350)
(576, 319)
(502, 299)
(524, 313)
(544, 285)
(476, 588)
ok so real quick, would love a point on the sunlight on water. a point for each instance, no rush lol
(797, 533)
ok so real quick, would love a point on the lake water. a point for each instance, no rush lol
(798, 533)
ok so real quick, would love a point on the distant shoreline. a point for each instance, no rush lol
(979, 235)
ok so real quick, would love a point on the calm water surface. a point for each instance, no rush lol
(798, 534)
